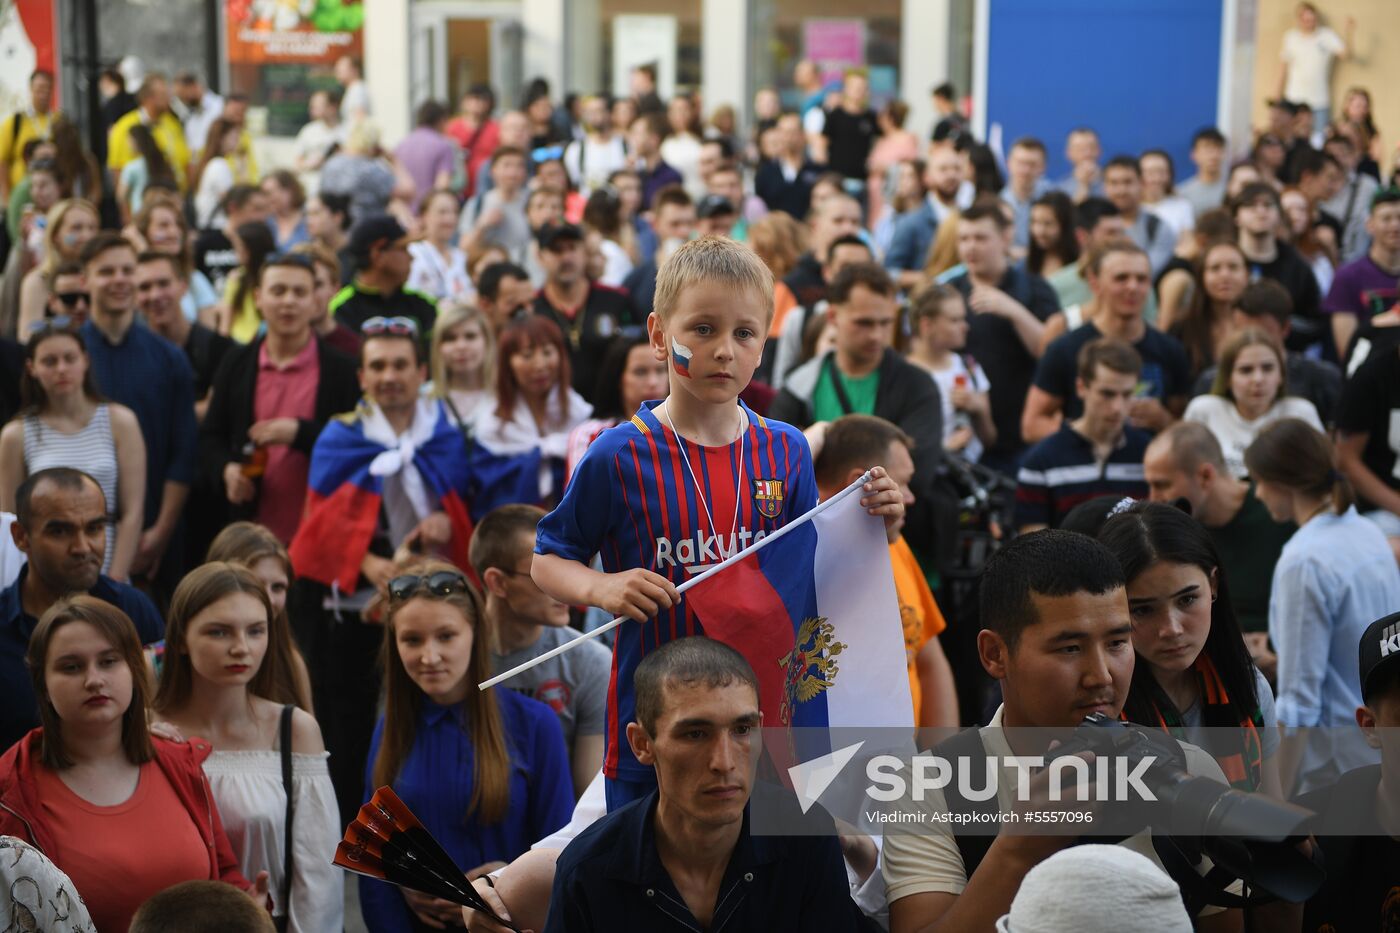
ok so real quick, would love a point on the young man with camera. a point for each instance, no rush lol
(1058, 638)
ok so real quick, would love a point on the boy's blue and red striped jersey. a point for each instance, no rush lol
(632, 501)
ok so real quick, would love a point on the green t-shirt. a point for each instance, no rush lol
(1249, 546)
(826, 404)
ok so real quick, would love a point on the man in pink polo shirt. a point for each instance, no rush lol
(271, 399)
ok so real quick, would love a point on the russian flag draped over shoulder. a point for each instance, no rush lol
(346, 485)
(815, 614)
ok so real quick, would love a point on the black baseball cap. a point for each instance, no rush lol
(714, 205)
(372, 230)
(1380, 652)
(552, 233)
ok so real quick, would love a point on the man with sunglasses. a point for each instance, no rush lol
(380, 247)
(68, 294)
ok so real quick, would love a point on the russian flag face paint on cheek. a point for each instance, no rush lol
(680, 358)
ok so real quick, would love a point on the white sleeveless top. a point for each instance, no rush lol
(92, 450)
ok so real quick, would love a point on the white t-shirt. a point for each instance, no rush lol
(599, 160)
(929, 861)
(1234, 432)
(1309, 59)
(976, 380)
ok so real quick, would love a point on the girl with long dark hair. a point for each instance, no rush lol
(254, 242)
(629, 375)
(509, 771)
(150, 165)
(1193, 670)
(1053, 243)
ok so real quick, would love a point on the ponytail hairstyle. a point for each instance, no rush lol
(1293, 453)
(1149, 533)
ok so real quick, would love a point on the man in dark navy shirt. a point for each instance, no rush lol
(61, 526)
(683, 858)
(151, 376)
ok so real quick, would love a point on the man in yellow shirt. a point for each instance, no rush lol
(34, 122)
(841, 451)
(152, 109)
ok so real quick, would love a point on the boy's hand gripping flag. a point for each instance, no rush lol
(812, 607)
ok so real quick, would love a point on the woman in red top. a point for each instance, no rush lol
(124, 815)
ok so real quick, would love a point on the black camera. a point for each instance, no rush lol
(1248, 835)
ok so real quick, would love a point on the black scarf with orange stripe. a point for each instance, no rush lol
(1241, 758)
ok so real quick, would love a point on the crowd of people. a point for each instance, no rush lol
(293, 457)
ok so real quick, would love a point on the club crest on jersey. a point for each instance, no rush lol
(768, 497)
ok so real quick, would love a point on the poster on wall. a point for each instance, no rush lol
(834, 44)
(281, 51)
(27, 43)
(644, 40)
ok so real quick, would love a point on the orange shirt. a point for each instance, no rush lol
(783, 302)
(119, 856)
(918, 613)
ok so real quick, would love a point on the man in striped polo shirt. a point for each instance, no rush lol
(1093, 455)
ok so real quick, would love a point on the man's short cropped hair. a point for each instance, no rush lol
(1253, 192)
(1312, 161)
(1192, 444)
(1266, 298)
(687, 662)
(496, 540)
(239, 195)
(66, 267)
(655, 123)
(870, 274)
(1210, 135)
(856, 442)
(987, 209)
(101, 243)
(1117, 355)
(712, 259)
(670, 196)
(1124, 161)
(946, 91)
(64, 478)
(849, 239)
(1385, 196)
(508, 152)
(1044, 563)
(1091, 210)
(1030, 144)
(151, 256)
(489, 287)
(201, 907)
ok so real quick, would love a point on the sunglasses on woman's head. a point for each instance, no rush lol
(442, 584)
(397, 326)
(48, 325)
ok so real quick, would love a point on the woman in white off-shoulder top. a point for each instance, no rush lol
(214, 684)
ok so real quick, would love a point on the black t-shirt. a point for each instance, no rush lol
(1370, 405)
(607, 313)
(205, 350)
(215, 257)
(354, 304)
(992, 341)
(1362, 891)
(850, 137)
(1166, 372)
(1292, 271)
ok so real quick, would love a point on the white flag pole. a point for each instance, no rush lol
(766, 540)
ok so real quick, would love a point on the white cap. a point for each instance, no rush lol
(1096, 889)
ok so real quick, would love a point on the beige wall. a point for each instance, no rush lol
(1375, 65)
